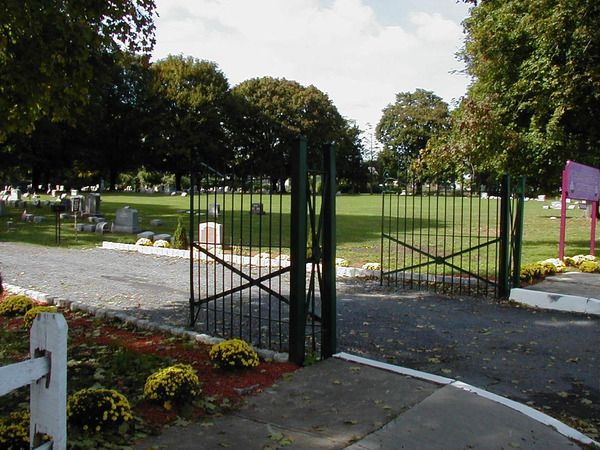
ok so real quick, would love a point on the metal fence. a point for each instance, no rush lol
(263, 257)
(451, 239)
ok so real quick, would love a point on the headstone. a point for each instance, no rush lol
(92, 204)
(79, 227)
(210, 234)
(162, 237)
(156, 222)
(65, 216)
(102, 227)
(15, 194)
(77, 204)
(214, 209)
(39, 219)
(257, 208)
(145, 235)
(74, 192)
(126, 221)
(89, 227)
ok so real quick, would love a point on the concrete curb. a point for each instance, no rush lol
(532, 413)
(557, 302)
(139, 323)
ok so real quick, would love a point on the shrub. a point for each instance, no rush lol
(14, 305)
(341, 262)
(576, 260)
(144, 241)
(531, 272)
(559, 266)
(177, 383)
(590, 267)
(180, 239)
(233, 354)
(30, 315)
(162, 244)
(548, 268)
(14, 430)
(98, 409)
(372, 266)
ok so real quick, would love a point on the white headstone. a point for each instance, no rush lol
(210, 235)
(15, 194)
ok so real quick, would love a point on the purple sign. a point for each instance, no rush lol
(582, 182)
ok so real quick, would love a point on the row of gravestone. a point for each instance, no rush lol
(88, 205)
(214, 209)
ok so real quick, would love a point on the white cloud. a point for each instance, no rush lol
(343, 48)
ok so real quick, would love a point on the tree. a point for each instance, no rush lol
(464, 150)
(536, 72)
(408, 124)
(190, 107)
(45, 51)
(272, 114)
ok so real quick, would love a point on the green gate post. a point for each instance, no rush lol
(191, 244)
(298, 253)
(328, 290)
(505, 230)
(517, 244)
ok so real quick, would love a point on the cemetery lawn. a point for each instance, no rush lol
(358, 224)
(113, 355)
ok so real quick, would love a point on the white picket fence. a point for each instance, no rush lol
(46, 373)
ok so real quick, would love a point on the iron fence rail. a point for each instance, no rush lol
(449, 239)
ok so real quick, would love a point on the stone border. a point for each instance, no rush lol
(127, 319)
(556, 302)
(348, 272)
(532, 413)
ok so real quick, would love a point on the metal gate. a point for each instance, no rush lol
(450, 239)
(264, 260)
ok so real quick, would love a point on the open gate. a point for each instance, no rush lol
(264, 260)
(451, 240)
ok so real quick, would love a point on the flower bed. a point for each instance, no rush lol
(113, 355)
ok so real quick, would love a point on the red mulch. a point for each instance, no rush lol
(215, 382)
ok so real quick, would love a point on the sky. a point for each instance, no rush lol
(361, 53)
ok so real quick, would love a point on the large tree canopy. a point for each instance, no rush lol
(273, 113)
(191, 99)
(407, 125)
(47, 48)
(536, 70)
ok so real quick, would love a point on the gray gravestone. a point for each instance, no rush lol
(102, 227)
(77, 203)
(214, 209)
(126, 221)
(92, 204)
(162, 237)
(257, 208)
(156, 222)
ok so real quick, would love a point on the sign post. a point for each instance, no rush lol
(579, 182)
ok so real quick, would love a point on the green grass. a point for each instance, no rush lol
(358, 223)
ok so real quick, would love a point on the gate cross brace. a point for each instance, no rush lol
(441, 259)
(251, 281)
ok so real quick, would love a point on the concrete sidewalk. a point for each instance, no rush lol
(339, 403)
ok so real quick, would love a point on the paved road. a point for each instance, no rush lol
(550, 360)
